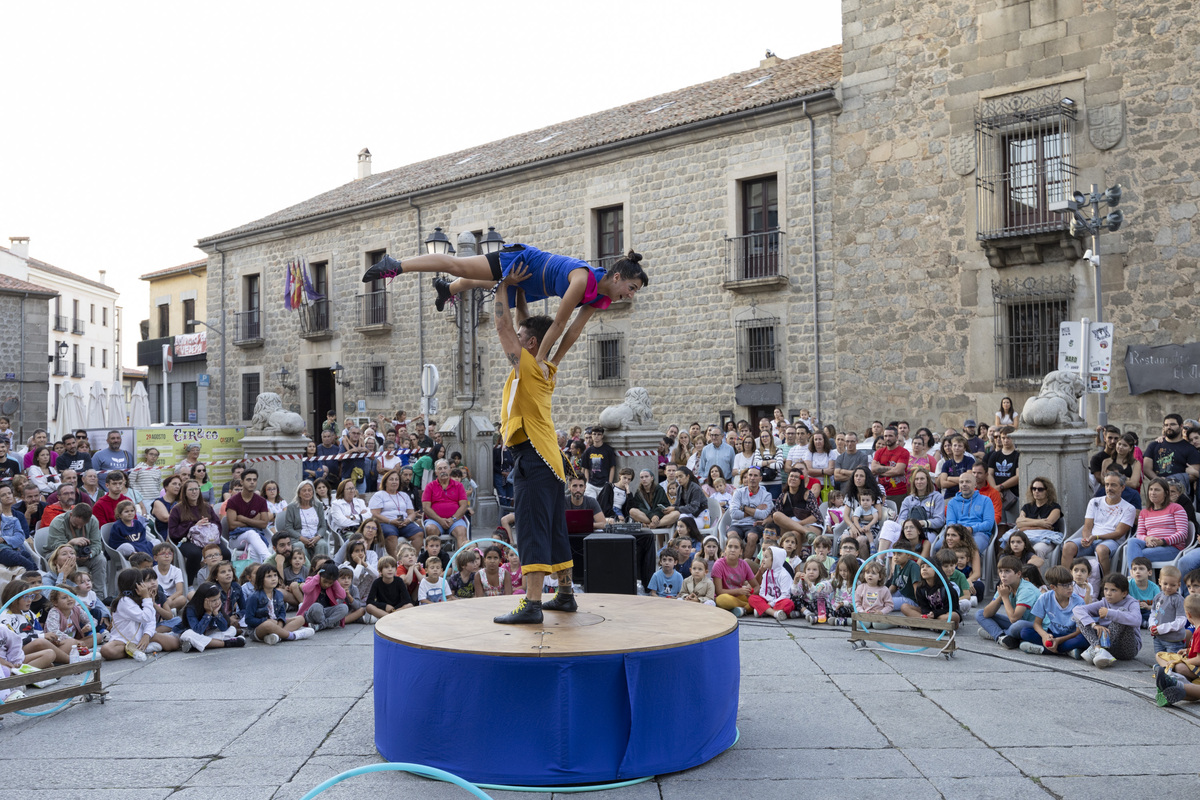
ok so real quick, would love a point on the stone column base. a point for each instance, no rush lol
(286, 473)
(1060, 455)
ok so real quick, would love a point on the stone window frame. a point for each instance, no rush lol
(606, 369)
(752, 356)
(593, 204)
(371, 371)
(380, 305)
(319, 313)
(247, 402)
(736, 176)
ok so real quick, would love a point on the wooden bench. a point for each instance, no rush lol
(864, 638)
(57, 694)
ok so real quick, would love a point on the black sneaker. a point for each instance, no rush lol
(1162, 678)
(527, 612)
(387, 267)
(237, 641)
(442, 286)
(562, 601)
(1010, 642)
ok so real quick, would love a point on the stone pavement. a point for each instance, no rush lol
(816, 719)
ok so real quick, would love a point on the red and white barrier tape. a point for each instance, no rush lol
(637, 453)
(290, 457)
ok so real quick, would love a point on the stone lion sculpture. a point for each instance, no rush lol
(1057, 404)
(271, 417)
(633, 413)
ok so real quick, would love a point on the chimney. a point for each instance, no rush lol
(364, 163)
(770, 61)
(19, 246)
(103, 273)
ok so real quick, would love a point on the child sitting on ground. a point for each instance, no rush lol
(462, 582)
(1000, 620)
(810, 593)
(932, 599)
(203, 623)
(233, 602)
(902, 582)
(388, 592)
(210, 556)
(1178, 675)
(434, 589)
(101, 616)
(12, 658)
(68, 624)
(433, 549)
(791, 550)
(733, 579)
(1141, 588)
(1112, 625)
(841, 596)
(134, 632)
(363, 571)
(323, 605)
(358, 609)
(170, 577)
(1168, 619)
(19, 619)
(948, 561)
(821, 547)
(295, 573)
(1055, 629)
(958, 538)
(142, 561)
(773, 595)
(246, 581)
(489, 581)
(698, 587)
(1081, 576)
(266, 613)
(665, 582)
(407, 570)
(872, 597)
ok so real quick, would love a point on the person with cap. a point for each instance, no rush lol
(538, 476)
(191, 457)
(975, 443)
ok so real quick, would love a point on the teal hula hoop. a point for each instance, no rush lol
(95, 644)
(474, 542)
(942, 575)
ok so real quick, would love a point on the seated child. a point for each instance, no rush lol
(835, 512)
(773, 594)
(666, 582)
(134, 632)
(864, 522)
(1178, 675)
(433, 549)
(847, 549)
(872, 596)
(210, 556)
(388, 592)
(142, 561)
(246, 581)
(462, 582)
(841, 596)
(323, 605)
(1003, 618)
(408, 570)
(18, 618)
(1112, 625)
(358, 609)
(947, 559)
(233, 602)
(434, 588)
(1081, 575)
(1167, 616)
(204, 624)
(490, 581)
(100, 615)
(1141, 588)
(363, 570)
(960, 539)
(790, 543)
(698, 587)
(12, 658)
(68, 624)
(295, 573)
(127, 534)
(810, 592)
(1055, 629)
(932, 600)
(170, 577)
(266, 613)
(733, 578)
(902, 583)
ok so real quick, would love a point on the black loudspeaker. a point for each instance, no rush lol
(611, 560)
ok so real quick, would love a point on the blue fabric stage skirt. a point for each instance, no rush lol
(599, 718)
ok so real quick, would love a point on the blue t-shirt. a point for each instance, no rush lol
(666, 586)
(1144, 595)
(956, 469)
(1057, 621)
(549, 275)
(1027, 594)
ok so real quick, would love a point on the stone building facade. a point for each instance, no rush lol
(177, 295)
(24, 328)
(909, 266)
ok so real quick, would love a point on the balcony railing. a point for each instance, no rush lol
(60, 366)
(374, 312)
(76, 369)
(314, 320)
(248, 327)
(77, 326)
(60, 323)
(755, 256)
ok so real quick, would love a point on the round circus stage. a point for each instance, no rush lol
(595, 696)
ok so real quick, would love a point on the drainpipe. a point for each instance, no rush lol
(21, 380)
(224, 336)
(812, 229)
(420, 295)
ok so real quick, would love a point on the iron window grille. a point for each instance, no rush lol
(251, 383)
(373, 308)
(249, 326)
(375, 378)
(758, 350)
(1024, 162)
(1028, 313)
(754, 255)
(314, 317)
(607, 356)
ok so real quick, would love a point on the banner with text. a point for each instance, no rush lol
(191, 344)
(1168, 368)
(216, 444)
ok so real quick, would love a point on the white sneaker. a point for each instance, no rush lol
(305, 633)
(271, 638)
(185, 641)
(1103, 658)
(1090, 653)
(138, 655)
(974, 601)
(154, 647)
(1031, 648)
(14, 696)
(738, 611)
(983, 634)
(781, 615)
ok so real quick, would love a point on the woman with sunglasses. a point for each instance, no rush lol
(1041, 518)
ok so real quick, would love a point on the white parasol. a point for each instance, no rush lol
(139, 416)
(118, 414)
(95, 407)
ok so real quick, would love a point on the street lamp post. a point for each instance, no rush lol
(224, 388)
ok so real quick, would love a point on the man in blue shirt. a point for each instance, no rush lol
(718, 452)
(973, 510)
(111, 457)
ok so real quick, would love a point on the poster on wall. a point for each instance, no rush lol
(216, 444)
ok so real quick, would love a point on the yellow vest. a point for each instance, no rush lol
(525, 411)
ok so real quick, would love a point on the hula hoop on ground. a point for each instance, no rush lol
(940, 574)
(95, 644)
(474, 542)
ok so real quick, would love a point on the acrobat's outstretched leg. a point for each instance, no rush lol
(471, 267)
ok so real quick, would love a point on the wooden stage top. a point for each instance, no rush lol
(604, 623)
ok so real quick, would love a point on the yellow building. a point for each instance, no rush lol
(177, 296)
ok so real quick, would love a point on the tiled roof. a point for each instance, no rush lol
(787, 79)
(62, 273)
(162, 273)
(11, 284)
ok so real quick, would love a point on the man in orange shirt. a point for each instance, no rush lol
(984, 488)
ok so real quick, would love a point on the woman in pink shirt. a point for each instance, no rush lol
(1162, 529)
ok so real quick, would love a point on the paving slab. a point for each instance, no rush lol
(1089, 788)
(247, 792)
(797, 764)
(969, 762)
(86, 772)
(1098, 760)
(813, 788)
(911, 718)
(992, 788)
(295, 726)
(247, 770)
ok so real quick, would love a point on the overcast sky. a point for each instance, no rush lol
(130, 130)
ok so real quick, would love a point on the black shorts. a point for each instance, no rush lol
(540, 507)
(494, 263)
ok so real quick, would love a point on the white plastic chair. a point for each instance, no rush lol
(1119, 558)
(723, 527)
(116, 561)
